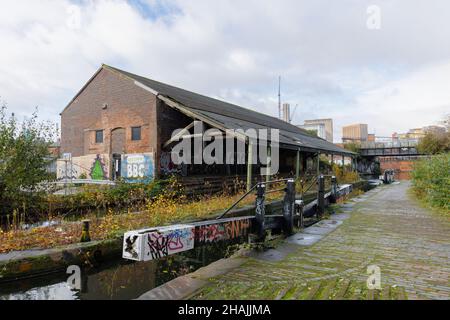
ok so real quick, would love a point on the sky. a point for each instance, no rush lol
(387, 66)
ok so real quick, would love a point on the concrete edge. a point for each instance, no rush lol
(187, 286)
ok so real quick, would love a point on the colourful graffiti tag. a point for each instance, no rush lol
(222, 231)
(144, 245)
(98, 169)
(210, 233)
(168, 241)
(137, 167)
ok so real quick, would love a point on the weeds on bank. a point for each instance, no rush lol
(431, 181)
(167, 207)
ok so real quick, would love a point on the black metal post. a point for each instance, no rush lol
(85, 237)
(260, 210)
(321, 197)
(289, 207)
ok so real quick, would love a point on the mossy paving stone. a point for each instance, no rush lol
(291, 294)
(281, 293)
(328, 287)
(206, 293)
(310, 292)
(353, 291)
(256, 290)
(370, 294)
(343, 287)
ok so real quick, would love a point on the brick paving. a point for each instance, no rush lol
(386, 227)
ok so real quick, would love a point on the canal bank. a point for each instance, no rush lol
(48, 267)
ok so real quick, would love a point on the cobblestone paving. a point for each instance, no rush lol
(410, 244)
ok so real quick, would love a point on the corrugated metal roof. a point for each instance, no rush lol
(235, 117)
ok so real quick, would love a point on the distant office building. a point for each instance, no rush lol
(327, 123)
(318, 128)
(415, 133)
(355, 133)
(371, 137)
(418, 133)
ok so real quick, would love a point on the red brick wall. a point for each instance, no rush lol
(127, 106)
(402, 168)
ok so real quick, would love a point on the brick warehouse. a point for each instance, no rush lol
(120, 125)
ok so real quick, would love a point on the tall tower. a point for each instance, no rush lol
(286, 112)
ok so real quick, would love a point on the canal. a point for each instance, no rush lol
(120, 279)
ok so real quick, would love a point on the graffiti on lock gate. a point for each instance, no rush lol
(221, 231)
(163, 243)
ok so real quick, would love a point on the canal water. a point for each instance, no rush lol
(118, 280)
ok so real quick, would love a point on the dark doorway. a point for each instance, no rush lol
(116, 165)
(118, 140)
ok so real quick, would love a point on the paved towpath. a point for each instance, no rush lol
(385, 227)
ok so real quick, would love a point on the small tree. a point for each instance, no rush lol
(24, 156)
(434, 143)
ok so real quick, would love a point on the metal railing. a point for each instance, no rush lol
(245, 195)
(292, 209)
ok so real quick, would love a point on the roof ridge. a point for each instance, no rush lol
(126, 73)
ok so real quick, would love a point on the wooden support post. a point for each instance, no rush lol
(343, 163)
(297, 165)
(289, 207)
(321, 197)
(318, 164)
(249, 165)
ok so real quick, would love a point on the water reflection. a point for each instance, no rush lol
(117, 280)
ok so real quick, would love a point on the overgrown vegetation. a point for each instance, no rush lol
(353, 146)
(431, 180)
(24, 156)
(434, 143)
(168, 206)
(345, 175)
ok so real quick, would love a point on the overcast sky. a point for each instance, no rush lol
(332, 65)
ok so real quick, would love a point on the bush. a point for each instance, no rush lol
(434, 143)
(24, 156)
(345, 176)
(431, 180)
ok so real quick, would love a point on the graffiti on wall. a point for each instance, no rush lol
(137, 167)
(93, 166)
(167, 167)
(161, 242)
(98, 169)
